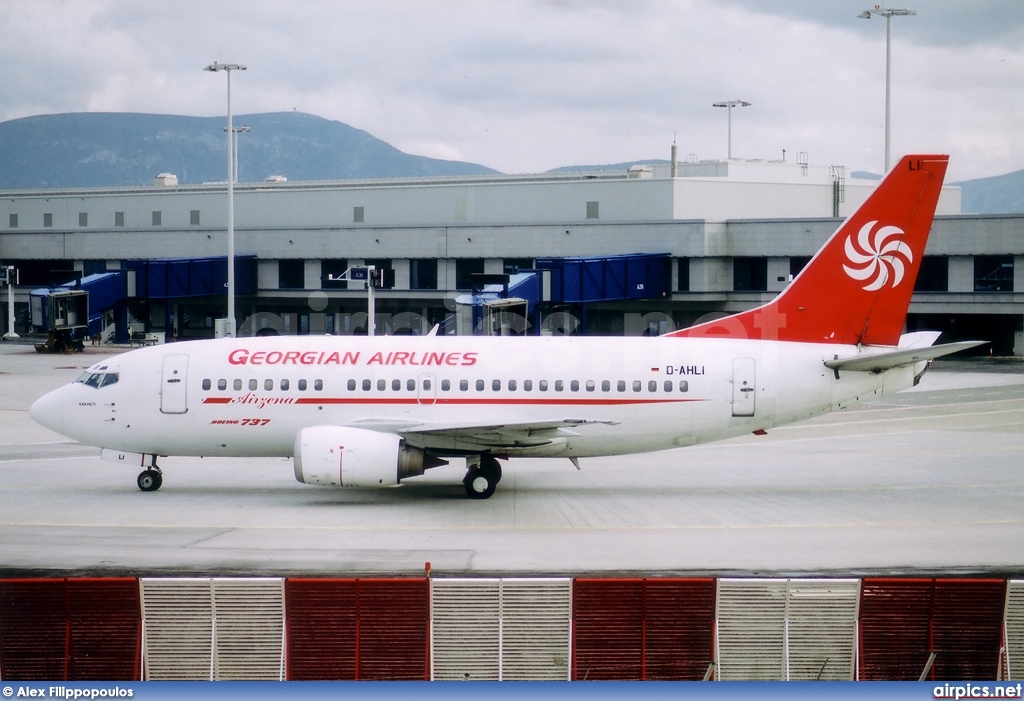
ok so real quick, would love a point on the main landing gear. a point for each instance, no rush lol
(150, 479)
(482, 477)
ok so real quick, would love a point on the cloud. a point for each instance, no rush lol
(526, 86)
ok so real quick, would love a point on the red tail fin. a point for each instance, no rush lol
(857, 288)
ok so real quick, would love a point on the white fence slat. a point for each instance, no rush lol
(536, 620)
(1014, 630)
(177, 629)
(464, 629)
(751, 629)
(249, 617)
(822, 629)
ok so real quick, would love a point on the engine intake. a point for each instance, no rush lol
(354, 457)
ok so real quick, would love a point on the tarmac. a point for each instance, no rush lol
(927, 482)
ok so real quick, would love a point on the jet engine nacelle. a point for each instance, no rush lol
(354, 457)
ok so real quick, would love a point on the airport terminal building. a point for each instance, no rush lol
(711, 238)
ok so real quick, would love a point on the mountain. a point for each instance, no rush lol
(95, 149)
(1000, 194)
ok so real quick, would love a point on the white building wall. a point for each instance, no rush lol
(961, 274)
(311, 275)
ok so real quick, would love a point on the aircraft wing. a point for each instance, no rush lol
(877, 362)
(465, 436)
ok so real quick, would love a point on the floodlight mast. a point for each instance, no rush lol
(730, 104)
(228, 68)
(888, 13)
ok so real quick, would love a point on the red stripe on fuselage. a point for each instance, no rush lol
(508, 401)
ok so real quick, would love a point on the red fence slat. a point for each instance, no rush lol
(33, 630)
(966, 628)
(105, 618)
(320, 625)
(608, 629)
(679, 628)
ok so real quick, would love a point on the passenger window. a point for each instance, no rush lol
(318, 385)
(637, 385)
(574, 385)
(621, 386)
(410, 385)
(253, 385)
(237, 384)
(268, 384)
(591, 385)
(351, 385)
(446, 385)
(302, 385)
(222, 385)
(668, 385)
(382, 385)
(496, 385)
(367, 385)
(426, 384)
(652, 386)
(527, 385)
(464, 385)
(479, 385)
(206, 385)
(606, 386)
(511, 385)
(684, 386)
(285, 384)
(396, 384)
(542, 385)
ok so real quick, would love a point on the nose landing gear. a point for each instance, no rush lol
(150, 480)
(482, 477)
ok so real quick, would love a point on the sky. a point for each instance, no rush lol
(524, 86)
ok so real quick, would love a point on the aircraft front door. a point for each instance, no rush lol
(173, 385)
(744, 387)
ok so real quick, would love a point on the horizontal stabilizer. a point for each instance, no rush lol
(877, 362)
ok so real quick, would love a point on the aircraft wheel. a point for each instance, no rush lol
(479, 483)
(150, 480)
(491, 467)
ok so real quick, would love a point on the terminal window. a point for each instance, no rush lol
(14, 221)
(83, 219)
(750, 274)
(358, 214)
(331, 271)
(683, 276)
(118, 218)
(193, 217)
(465, 268)
(158, 218)
(423, 274)
(933, 275)
(993, 273)
(48, 219)
(291, 274)
(593, 210)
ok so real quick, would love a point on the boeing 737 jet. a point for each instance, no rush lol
(375, 411)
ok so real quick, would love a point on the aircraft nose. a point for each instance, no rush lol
(48, 411)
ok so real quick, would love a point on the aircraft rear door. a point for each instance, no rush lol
(744, 387)
(173, 385)
(426, 388)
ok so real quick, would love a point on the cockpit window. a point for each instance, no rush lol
(97, 379)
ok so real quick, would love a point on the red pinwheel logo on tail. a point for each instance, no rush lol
(879, 258)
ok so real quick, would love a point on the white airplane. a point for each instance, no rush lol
(374, 411)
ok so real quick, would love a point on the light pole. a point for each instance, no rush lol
(228, 67)
(729, 104)
(888, 13)
(10, 277)
(238, 130)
